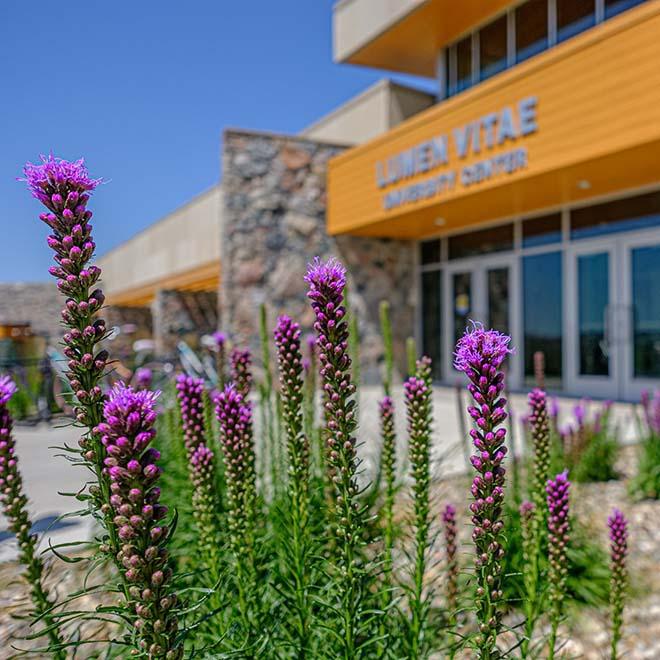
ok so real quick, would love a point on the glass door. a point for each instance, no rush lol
(591, 320)
(640, 318)
(479, 290)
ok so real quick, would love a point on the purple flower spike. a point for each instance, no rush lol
(241, 374)
(388, 458)
(235, 419)
(326, 282)
(618, 526)
(7, 389)
(557, 490)
(190, 393)
(220, 338)
(480, 354)
(478, 348)
(14, 507)
(451, 553)
(55, 176)
(289, 359)
(540, 433)
(144, 378)
(126, 433)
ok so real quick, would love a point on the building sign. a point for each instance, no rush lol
(481, 136)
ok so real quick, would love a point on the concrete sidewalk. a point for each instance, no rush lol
(44, 475)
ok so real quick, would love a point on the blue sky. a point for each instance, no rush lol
(143, 89)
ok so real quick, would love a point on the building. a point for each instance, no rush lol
(526, 194)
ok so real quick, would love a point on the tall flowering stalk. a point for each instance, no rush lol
(190, 394)
(326, 292)
(205, 506)
(289, 358)
(64, 188)
(418, 404)
(480, 354)
(241, 371)
(201, 465)
(220, 341)
(535, 519)
(557, 491)
(14, 506)
(127, 433)
(451, 559)
(388, 435)
(235, 419)
(619, 574)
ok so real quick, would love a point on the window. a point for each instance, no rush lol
(432, 319)
(541, 231)
(463, 65)
(614, 7)
(573, 17)
(430, 252)
(646, 311)
(531, 21)
(493, 48)
(495, 239)
(593, 308)
(542, 314)
(622, 215)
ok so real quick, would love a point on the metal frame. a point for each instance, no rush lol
(627, 387)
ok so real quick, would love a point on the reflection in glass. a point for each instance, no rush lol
(432, 319)
(627, 214)
(494, 239)
(541, 231)
(593, 301)
(462, 302)
(531, 29)
(492, 48)
(646, 311)
(498, 299)
(463, 65)
(573, 17)
(542, 314)
(614, 7)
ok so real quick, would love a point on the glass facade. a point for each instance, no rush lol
(593, 310)
(542, 314)
(579, 285)
(645, 268)
(536, 25)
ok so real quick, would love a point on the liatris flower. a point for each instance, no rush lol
(451, 557)
(388, 458)
(205, 505)
(480, 354)
(190, 393)
(424, 370)
(540, 432)
(220, 341)
(418, 404)
(287, 339)
(619, 575)
(126, 433)
(143, 378)
(14, 506)
(64, 188)
(241, 373)
(557, 491)
(326, 292)
(235, 419)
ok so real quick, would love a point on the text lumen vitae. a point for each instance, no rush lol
(492, 130)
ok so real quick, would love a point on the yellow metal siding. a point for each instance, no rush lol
(598, 95)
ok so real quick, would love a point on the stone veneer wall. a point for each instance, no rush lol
(273, 224)
(37, 303)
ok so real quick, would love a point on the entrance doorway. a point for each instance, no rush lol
(612, 316)
(482, 290)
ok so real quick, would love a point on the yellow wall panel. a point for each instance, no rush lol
(597, 95)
